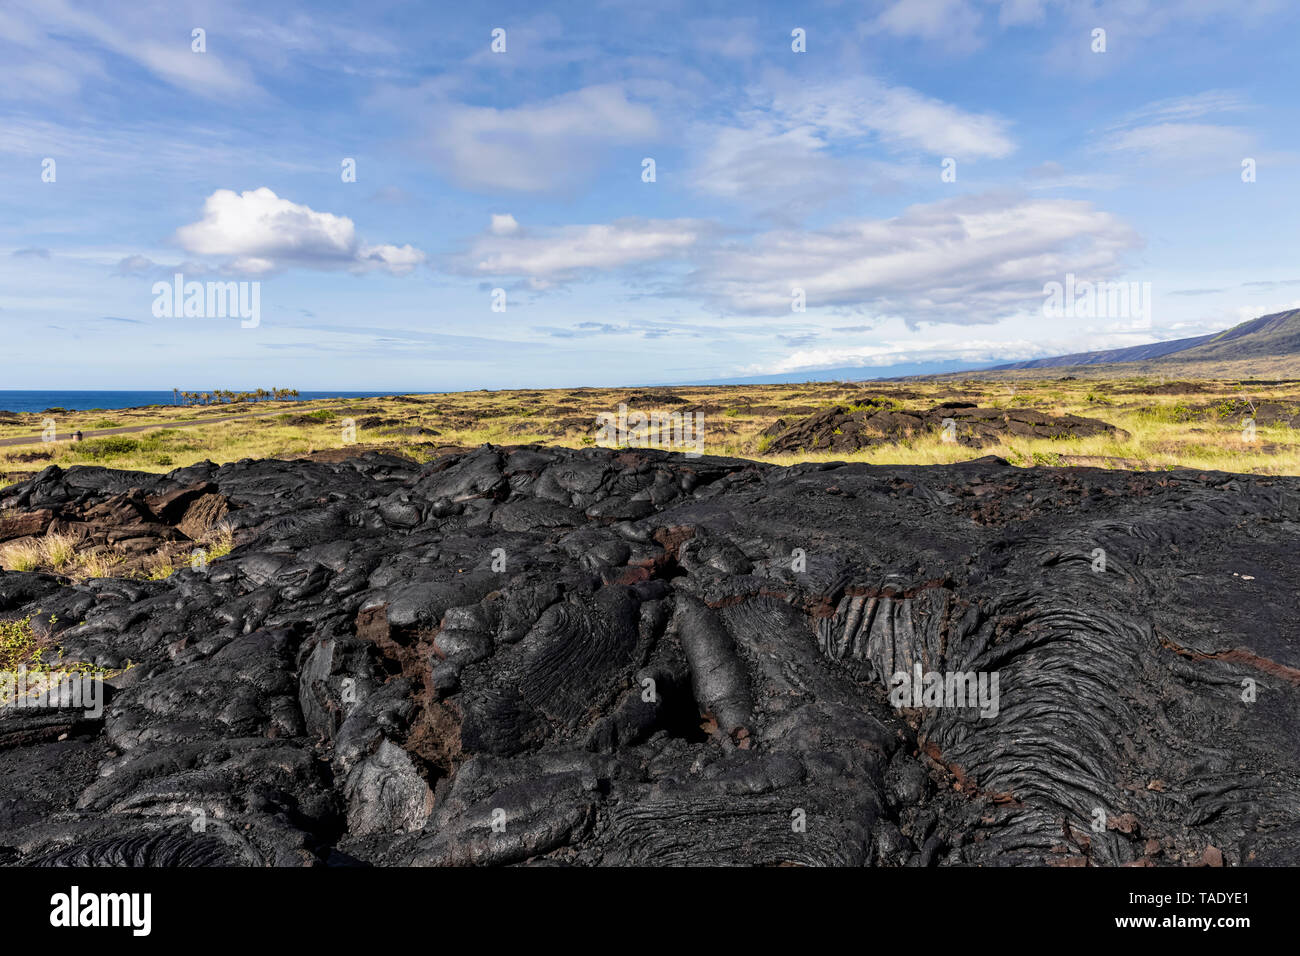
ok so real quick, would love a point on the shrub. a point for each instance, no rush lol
(21, 556)
(219, 541)
(99, 563)
(59, 549)
(161, 570)
(106, 447)
(53, 551)
(1169, 414)
(22, 648)
(19, 644)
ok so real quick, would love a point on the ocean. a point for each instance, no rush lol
(16, 400)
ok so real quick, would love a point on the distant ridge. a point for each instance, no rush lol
(1272, 336)
(1268, 345)
(1135, 353)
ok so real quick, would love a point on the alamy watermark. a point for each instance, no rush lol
(1098, 300)
(208, 300)
(655, 430)
(43, 690)
(946, 689)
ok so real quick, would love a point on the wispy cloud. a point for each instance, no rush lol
(952, 23)
(967, 260)
(539, 147)
(1173, 136)
(150, 36)
(797, 144)
(546, 256)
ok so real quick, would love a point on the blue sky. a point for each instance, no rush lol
(522, 171)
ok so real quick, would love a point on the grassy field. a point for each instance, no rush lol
(1170, 424)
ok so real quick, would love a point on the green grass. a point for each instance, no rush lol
(1175, 414)
(113, 446)
(20, 646)
(1199, 430)
(25, 649)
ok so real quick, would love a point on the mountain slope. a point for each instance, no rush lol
(1269, 336)
(1136, 353)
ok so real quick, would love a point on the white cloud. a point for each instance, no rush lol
(258, 232)
(1180, 137)
(566, 252)
(974, 351)
(1183, 108)
(503, 225)
(897, 115)
(398, 260)
(1052, 175)
(767, 163)
(43, 29)
(540, 147)
(1164, 133)
(957, 24)
(130, 265)
(1156, 16)
(788, 150)
(954, 23)
(1185, 147)
(967, 260)
(964, 261)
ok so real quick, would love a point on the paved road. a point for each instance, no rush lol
(67, 436)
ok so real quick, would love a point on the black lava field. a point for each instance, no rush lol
(602, 657)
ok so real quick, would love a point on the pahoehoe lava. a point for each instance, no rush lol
(598, 657)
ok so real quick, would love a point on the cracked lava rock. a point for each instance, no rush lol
(595, 657)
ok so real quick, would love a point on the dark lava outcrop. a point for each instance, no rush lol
(602, 657)
(136, 527)
(846, 429)
(1235, 411)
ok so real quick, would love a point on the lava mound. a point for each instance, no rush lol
(135, 527)
(1237, 410)
(845, 429)
(599, 657)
